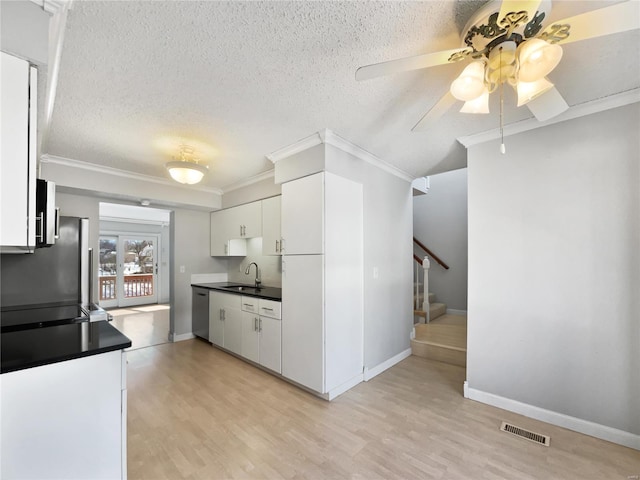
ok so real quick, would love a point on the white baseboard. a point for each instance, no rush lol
(182, 337)
(554, 418)
(453, 311)
(369, 373)
(340, 389)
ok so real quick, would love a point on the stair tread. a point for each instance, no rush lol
(440, 345)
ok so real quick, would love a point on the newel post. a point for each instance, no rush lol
(426, 264)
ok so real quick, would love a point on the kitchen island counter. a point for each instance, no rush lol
(35, 347)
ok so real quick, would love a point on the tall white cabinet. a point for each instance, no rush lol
(322, 282)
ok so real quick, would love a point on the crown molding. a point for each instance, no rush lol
(250, 181)
(337, 141)
(53, 6)
(577, 111)
(297, 147)
(101, 169)
(328, 137)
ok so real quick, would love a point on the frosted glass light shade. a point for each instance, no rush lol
(477, 105)
(470, 83)
(537, 58)
(188, 173)
(527, 91)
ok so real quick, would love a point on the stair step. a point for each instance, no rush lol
(435, 310)
(420, 297)
(439, 352)
(450, 335)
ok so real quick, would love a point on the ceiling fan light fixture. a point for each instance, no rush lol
(187, 170)
(477, 105)
(537, 58)
(470, 83)
(527, 91)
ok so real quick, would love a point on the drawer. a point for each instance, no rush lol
(270, 308)
(250, 304)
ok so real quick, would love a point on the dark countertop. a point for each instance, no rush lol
(35, 347)
(268, 293)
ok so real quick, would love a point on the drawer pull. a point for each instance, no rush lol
(270, 309)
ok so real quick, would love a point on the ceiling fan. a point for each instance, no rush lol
(507, 42)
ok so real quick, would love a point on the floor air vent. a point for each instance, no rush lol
(526, 434)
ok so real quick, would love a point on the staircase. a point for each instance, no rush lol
(444, 338)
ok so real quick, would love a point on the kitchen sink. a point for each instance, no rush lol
(242, 288)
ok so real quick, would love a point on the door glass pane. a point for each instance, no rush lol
(107, 269)
(139, 267)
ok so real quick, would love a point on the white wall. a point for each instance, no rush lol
(554, 273)
(388, 227)
(440, 223)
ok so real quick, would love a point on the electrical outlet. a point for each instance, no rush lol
(182, 269)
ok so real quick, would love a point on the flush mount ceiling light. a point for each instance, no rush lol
(507, 44)
(187, 170)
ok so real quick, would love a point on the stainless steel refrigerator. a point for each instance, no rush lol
(52, 284)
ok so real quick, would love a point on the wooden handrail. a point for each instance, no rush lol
(430, 253)
(417, 259)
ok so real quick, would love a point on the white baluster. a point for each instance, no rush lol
(426, 264)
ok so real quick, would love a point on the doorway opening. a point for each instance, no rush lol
(133, 275)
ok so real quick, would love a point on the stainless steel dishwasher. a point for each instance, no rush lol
(200, 312)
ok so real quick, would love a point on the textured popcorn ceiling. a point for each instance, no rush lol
(239, 80)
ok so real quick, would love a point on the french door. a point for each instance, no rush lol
(128, 271)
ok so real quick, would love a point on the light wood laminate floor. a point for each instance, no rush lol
(196, 412)
(145, 325)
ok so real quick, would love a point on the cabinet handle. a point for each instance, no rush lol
(56, 234)
(255, 324)
(282, 245)
(222, 314)
(260, 325)
(277, 246)
(249, 305)
(269, 309)
(202, 294)
(226, 249)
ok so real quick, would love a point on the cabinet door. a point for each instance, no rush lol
(302, 320)
(216, 322)
(271, 343)
(303, 215)
(232, 315)
(245, 221)
(271, 226)
(250, 339)
(221, 243)
(218, 237)
(18, 155)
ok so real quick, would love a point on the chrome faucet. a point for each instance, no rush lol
(246, 272)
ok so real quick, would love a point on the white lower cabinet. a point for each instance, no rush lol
(225, 321)
(66, 420)
(262, 333)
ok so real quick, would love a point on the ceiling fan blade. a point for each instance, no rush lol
(605, 21)
(515, 6)
(405, 64)
(548, 105)
(429, 118)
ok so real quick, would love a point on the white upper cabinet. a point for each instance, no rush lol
(18, 155)
(245, 221)
(231, 227)
(271, 237)
(303, 216)
(222, 244)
